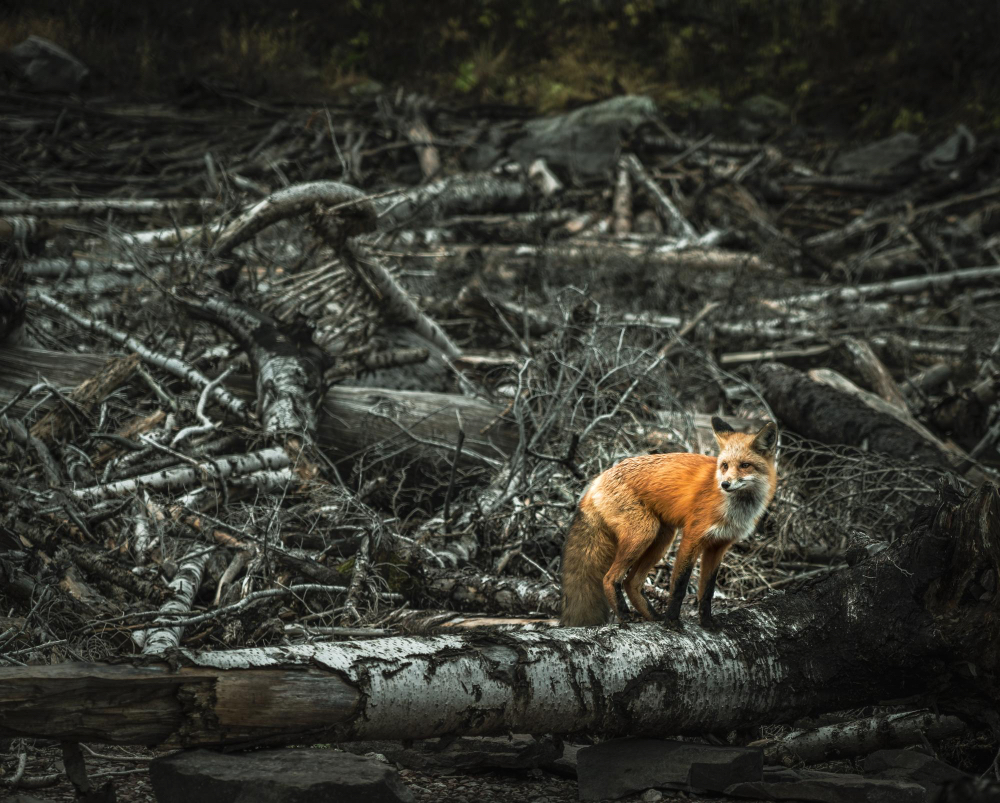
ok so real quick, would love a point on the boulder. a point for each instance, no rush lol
(883, 156)
(275, 776)
(43, 66)
(585, 142)
(465, 753)
(619, 767)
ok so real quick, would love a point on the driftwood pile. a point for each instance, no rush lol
(296, 405)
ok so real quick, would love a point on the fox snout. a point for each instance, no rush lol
(732, 481)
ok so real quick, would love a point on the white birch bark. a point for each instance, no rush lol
(183, 476)
(286, 203)
(893, 624)
(81, 207)
(185, 586)
(895, 287)
(172, 365)
(860, 737)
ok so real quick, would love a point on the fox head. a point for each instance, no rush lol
(745, 460)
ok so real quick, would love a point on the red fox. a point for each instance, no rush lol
(628, 516)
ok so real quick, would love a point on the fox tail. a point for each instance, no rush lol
(587, 556)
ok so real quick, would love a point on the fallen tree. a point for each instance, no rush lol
(916, 618)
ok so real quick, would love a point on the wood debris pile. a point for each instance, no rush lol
(295, 379)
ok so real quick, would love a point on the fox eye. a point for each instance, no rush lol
(744, 465)
(725, 466)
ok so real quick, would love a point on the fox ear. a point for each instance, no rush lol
(766, 438)
(721, 429)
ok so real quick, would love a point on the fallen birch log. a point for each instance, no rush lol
(82, 207)
(676, 223)
(907, 621)
(896, 287)
(860, 737)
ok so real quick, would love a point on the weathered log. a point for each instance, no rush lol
(355, 419)
(830, 416)
(353, 205)
(860, 737)
(82, 207)
(423, 141)
(677, 224)
(909, 620)
(185, 585)
(478, 592)
(896, 287)
(875, 373)
(352, 420)
(473, 193)
(694, 258)
(58, 424)
(841, 383)
(621, 206)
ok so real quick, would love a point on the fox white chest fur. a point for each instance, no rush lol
(740, 513)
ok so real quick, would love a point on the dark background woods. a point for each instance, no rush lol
(872, 67)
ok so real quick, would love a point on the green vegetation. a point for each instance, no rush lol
(896, 64)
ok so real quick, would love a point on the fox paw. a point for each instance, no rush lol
(710, 623)
(669, 623)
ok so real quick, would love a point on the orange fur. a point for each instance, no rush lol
(628, 516)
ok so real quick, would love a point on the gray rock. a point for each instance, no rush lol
(466, 753)
(275, 776)
(619, 767)
(883, 156)
(566, 765)
(909, 765)
(584, 142)
(44, 66)
(957, 146)
(766, 108)
(827, 787)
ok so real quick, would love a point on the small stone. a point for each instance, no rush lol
(651, 796)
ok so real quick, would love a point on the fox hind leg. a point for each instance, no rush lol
(640, 571)
(635, 535)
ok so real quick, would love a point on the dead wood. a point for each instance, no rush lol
(676, 223)
(294, 201)
(60, 423)
(860, 737)
(398, 425)
(842, 383)
(493, 340)
(774, 661)
(622, 204)
(828, 415)
(287, 366)
(877, 376)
